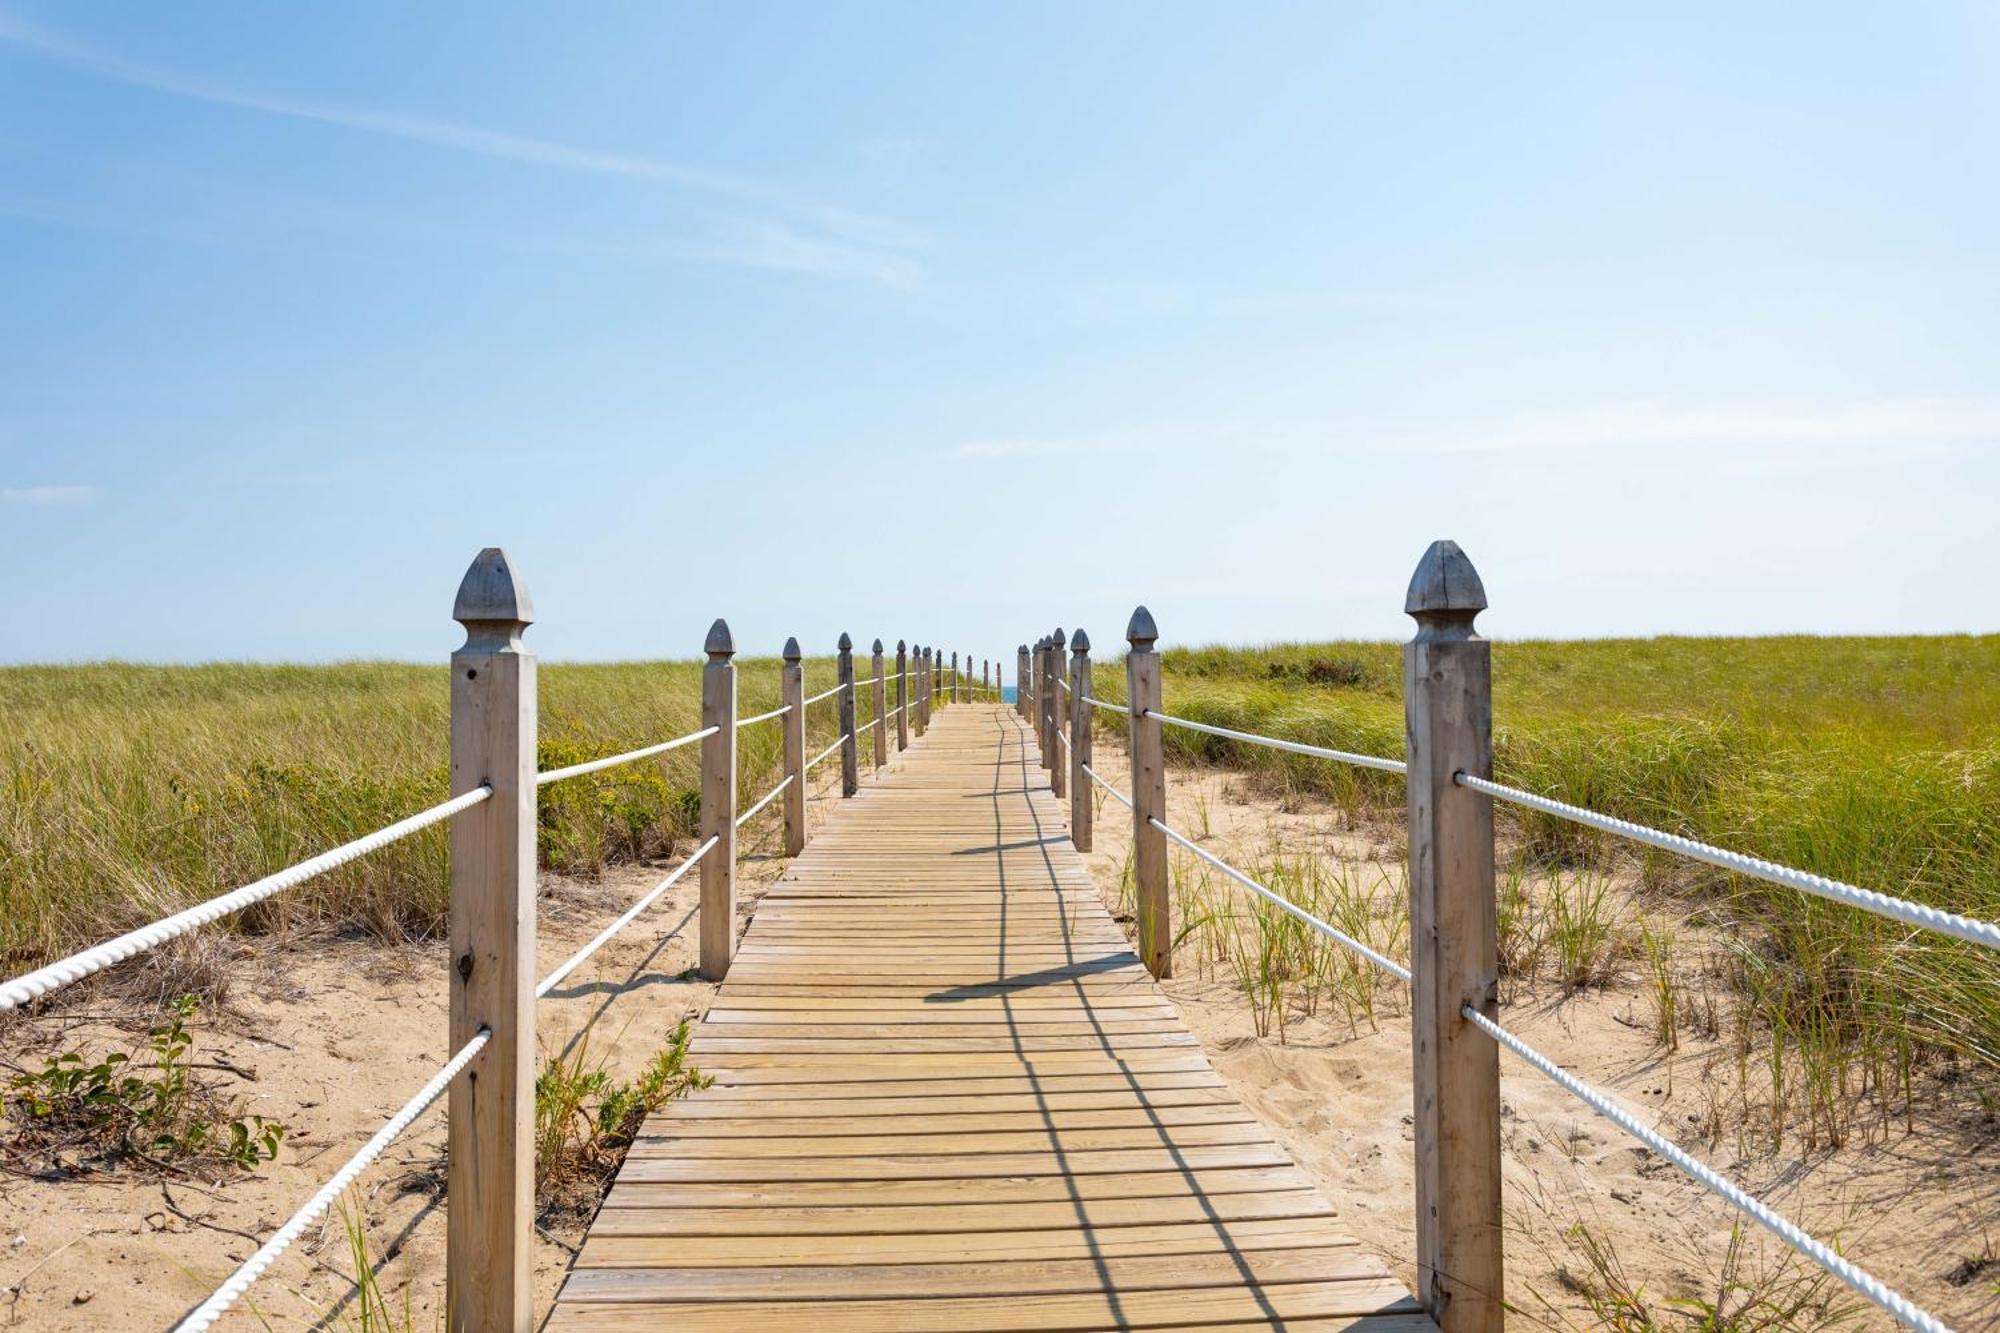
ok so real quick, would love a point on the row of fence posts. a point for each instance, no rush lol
(490, 1125)
(1454, 945)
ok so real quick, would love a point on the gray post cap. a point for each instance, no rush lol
(720, 644)
(878, 646)
(492, 603)
(1445, 586)
(1141, 632)
(792, 653)
(846, 645)
(902, 647)
(1079, 642)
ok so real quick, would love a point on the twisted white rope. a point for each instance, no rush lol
(612, 761)
(64, 971)
(1063, 738)
(1819, 1252)
(1062, 684)
(824, 753)
(1122, 798)
(1109, 708)
(212, 1309)
(576, 960)
(865, 725)
(1383, 961)
(763, 717)
(827, 694)
(1900, 909)
(763, 801)
(1293, 747)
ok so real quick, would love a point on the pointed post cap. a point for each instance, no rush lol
(1141, 632)
(1058, 639)
(901, 646)
(1022, 649)
(846, 645)
(1079, 642)
(492, 602)
(721, 644)
(877, 649)
(1445, 589)
(792, 653)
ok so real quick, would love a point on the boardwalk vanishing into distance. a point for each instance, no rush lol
(949, 1097)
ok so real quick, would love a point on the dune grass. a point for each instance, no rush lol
(1872, 760)
(129, 791)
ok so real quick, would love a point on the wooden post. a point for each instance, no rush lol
(1022, 692)
(1081, 805)
(1454, 953)
(952, 695)
(1058, 703)
(902, 696)
(718, 803)
(489, 1229)
(1149, 795)
(850, 759)
(924, 688)
(792, 689)
(986, 675)
(881, 708)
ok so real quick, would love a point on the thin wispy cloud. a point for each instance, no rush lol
(1875, 423)
(46, 496)
(848, 243)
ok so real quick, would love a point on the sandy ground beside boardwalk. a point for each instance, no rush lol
(331, 1036)
(1921, 1211)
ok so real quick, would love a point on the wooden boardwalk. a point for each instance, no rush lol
(949, 1098)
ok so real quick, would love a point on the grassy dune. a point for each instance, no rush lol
(133, 790)
(1873, 760)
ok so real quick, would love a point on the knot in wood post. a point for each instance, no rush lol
(850, 759)
(489, 1229)
(718, 803)
(792, 694)
(1149, 795)
(902, 696)
(881, 707)
(1454, 955)
(1082, 804)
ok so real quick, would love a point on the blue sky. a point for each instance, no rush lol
(956, 325)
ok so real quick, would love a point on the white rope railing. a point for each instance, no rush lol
(763, 801)
(1064, 686)
(1290, 747)
(1062, 737)
(1381, 960)
(65, 971)
(865, 725)
(1109, 708)
(613, 761)
(1818, 1251)
(576, 960)
(1899, 909)
(827, 694)
(824, 753)
(232, 1289)
(1120, 796)
(779, 711)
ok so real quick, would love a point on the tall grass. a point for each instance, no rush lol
(128, 791)
(1873, 760)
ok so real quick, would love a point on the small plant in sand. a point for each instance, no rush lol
(77, 1112)
(585, 1119)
